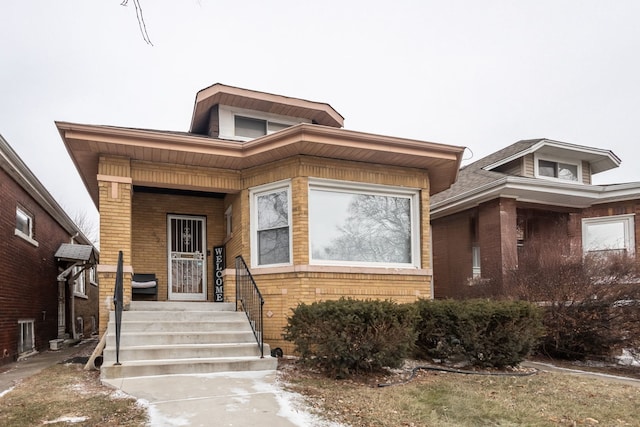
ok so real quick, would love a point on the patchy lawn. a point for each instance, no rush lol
(65, 395)
(447, 399)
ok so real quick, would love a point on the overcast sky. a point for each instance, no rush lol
(480, 74)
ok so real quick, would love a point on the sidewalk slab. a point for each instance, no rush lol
(222, 399)
(587, 374)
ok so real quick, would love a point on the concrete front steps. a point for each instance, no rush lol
(165, 338)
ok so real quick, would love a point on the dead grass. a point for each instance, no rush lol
(64, 395)
(445, 399)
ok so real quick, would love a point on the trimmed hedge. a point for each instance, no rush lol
(348, 336)
(486, 333)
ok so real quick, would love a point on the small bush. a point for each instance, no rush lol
(486, 333)
(348, 336)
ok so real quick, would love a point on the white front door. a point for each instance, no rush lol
(187, 258)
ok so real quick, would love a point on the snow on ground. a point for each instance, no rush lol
(72, 420)
(2, 393)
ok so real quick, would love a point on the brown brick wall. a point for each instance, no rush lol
(27, 273)
(87, 308)
(452, 258)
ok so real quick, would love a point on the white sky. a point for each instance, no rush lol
(481, 74)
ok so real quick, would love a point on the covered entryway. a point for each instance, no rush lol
(187, 258)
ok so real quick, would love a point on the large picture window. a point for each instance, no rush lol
(351, 224)
(608, 235)
(271, 221)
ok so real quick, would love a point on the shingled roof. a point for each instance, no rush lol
(473, 176)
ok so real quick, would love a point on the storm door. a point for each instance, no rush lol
(187, 258)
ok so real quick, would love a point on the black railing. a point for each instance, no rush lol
(118, 293)
(249, 300)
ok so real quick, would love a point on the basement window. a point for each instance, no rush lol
(26, 336)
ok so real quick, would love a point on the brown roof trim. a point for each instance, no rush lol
(86, 142)
(219, 94)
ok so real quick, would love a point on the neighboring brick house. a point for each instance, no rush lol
(35, 308)
(532, 190)
(317, 212)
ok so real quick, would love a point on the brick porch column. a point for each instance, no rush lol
(114, 182)
(497, 222)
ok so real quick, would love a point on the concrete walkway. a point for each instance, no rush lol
(12, 373)
(552, 368)
(221, 399)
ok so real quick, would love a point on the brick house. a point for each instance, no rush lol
(316, 211)
(36, 307)
(531, 190)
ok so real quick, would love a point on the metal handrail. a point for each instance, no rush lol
(249, 299)
(118, 298)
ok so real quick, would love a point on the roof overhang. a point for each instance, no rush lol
(219, 94)
(548, 193)
(600, 159)
(76, 253)
(86, 143)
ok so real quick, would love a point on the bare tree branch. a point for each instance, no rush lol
(141, 24)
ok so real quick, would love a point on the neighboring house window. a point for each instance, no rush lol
(270, 224)
(24, 226)
(26, 336)
(249, 127)
(565, 171)
(93, 276)
(475, 256)
(358, 224)
(79, 287)
(609, 235)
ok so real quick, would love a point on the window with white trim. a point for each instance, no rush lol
(271, 224)
(93, 276)
(249, 127)
(24, 225)
(609, 234)
(26, 336)
(558, 169)
(363, 225)
(476, 270)
(79, 286)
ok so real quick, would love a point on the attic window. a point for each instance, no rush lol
(558, 170)
(249, 127)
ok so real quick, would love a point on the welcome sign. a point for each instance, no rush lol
(218, 268)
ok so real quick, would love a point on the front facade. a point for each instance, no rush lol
(36, 307)
(530, 192)
(316, 212)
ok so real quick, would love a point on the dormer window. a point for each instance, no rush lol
(553, 169)
(248, 127)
